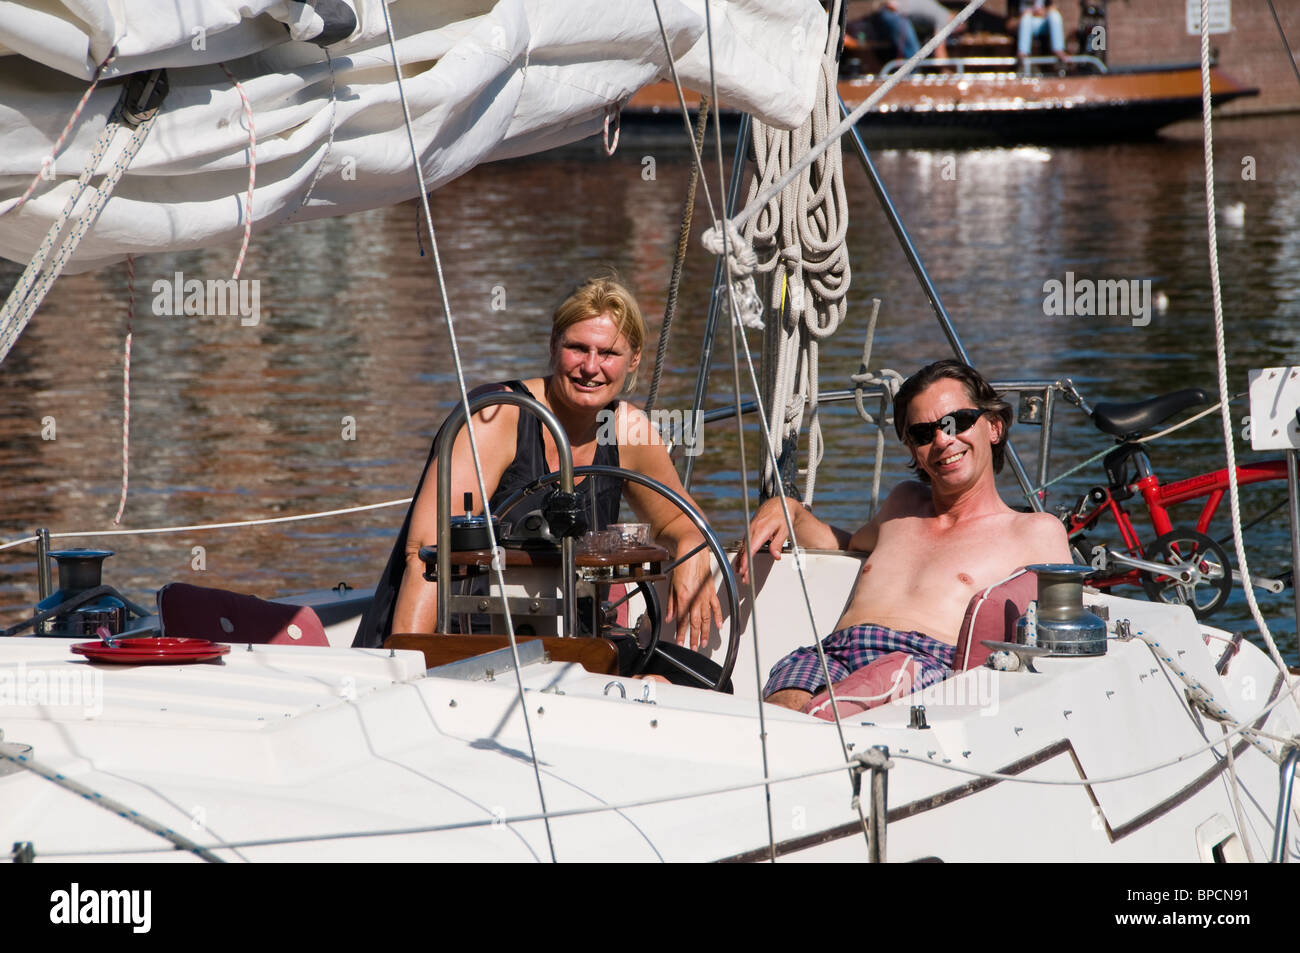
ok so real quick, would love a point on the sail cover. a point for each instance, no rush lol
(483, 81)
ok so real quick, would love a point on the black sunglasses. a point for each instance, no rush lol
(958, 421)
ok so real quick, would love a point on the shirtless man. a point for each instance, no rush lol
(933, 544)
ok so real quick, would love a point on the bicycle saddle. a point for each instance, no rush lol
(1130, 419)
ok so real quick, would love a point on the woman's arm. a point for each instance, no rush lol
(691, 592)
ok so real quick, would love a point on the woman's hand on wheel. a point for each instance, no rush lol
(691, 595)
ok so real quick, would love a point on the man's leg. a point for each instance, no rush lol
(797, 677)
(796, 699)
(1025, 37)
(1056, 33)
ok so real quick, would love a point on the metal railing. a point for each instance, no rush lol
(985, 64)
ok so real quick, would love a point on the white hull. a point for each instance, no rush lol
(302, 742)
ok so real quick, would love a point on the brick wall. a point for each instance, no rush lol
(1144, 32)
(1155, 31)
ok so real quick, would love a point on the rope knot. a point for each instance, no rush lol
(741, 258)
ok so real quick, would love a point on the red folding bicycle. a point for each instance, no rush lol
(1180, 565)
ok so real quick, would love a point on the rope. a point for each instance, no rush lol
(1201, 695)
(889, 381)
(726, 236)
(47, 166)
(849, 121)
(497, 567)
(252, 168)
(126, 386)
(802, 232)
(35, 281)
(683, 240)
(615, 114)
(329, 143)
(1220, 349)
(180, 841)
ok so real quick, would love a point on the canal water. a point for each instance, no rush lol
(331, 398)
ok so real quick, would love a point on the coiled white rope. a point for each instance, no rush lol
(798, 240)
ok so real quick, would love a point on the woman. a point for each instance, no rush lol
(595, 349)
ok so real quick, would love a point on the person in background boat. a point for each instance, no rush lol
(595, 348)
(899, 18)
(1030, 20)
(935, 542)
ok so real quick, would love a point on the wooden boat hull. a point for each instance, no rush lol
(951, 108)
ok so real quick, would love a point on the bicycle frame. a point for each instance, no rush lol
(1158, 498)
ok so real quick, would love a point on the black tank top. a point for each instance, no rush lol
(528, 465)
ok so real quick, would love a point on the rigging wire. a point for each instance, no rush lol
(200, 527)
(1221, 350)
(679, 260)
(1286, 44)
(734, 313)
(469, 420)
(1230, 732)
(744, 466)
(753, 377)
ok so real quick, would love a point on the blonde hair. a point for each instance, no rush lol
(597, 296)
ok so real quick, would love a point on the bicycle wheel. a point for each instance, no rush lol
(1203, 561)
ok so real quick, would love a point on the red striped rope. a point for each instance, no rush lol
(58, 143)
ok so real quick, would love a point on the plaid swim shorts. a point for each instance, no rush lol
(850, 649)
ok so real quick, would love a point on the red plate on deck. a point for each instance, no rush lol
(154, 650)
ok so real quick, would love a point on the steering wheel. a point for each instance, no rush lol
(710, 540)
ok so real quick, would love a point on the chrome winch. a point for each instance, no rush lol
(1057, 620)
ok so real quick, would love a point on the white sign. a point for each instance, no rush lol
(1274, 404)
(1220, 16)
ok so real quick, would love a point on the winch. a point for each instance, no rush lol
(1057, 620)
(82, 603)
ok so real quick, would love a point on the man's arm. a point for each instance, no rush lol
(1044, 539)
(768, 528)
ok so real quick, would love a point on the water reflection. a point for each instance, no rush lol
(332, 398)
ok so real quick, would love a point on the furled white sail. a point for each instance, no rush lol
(483, 80)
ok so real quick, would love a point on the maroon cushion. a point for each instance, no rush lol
(992, 614)
(222, 616)
(879, 681)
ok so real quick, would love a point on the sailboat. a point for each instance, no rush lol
(1154, 737)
